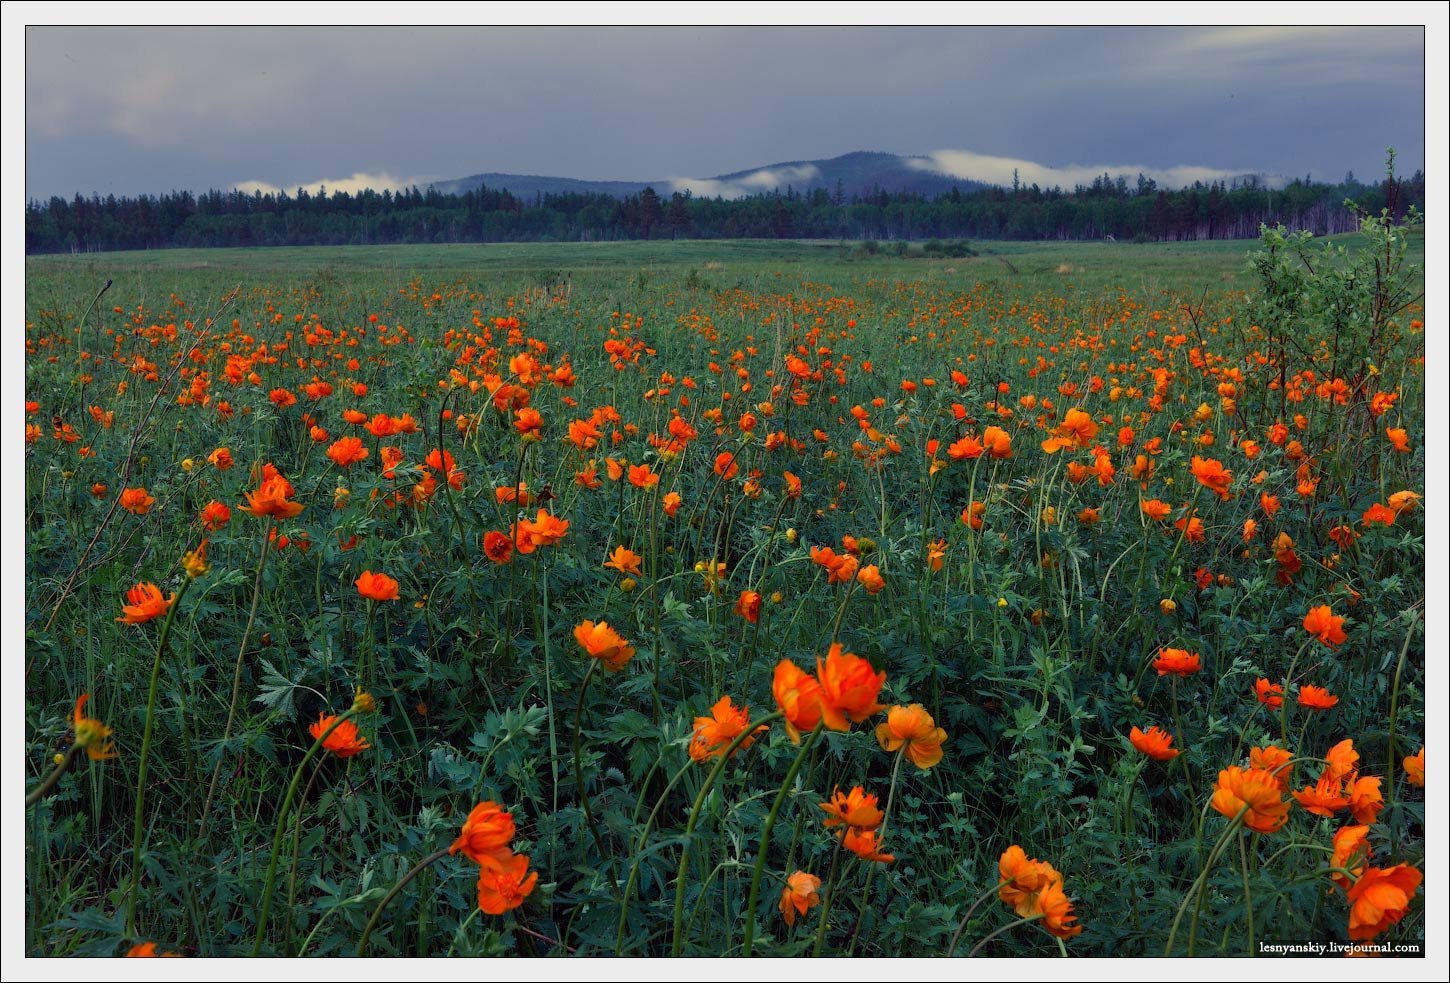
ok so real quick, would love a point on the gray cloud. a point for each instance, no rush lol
(128, 110)
(1002, 170)
(764, 179)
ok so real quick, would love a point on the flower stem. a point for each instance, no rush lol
(1197, 888)
(43, 789)
(765, 832)
(604, 856)
(281, 827)
(636, 857)
(962, 927)
(1010, 925)
(236, 683)
(695, 818)
(830, 896)
(880, 838)
(422, 865)
(132, 891)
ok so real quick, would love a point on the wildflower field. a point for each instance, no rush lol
(723, 599)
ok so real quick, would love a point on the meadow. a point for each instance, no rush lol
(726, 598)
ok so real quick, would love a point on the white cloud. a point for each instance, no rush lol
(998, 170)
(357, 182)
(764, 180)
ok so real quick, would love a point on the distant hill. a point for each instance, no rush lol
(853, 174)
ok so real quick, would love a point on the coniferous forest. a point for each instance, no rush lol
(1108, 207)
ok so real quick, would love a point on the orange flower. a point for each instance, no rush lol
(529, 423)
(849, 687)
(391, 457)
(1154, 743)
(713, 734)
(624, 560)
(497, 547)
(1402, 501)
(1269, 694)
(221, 458)
(1365, 798)
(1155, 509)
(1056, 910)
(136, 501)
(799, 895)
(798, 695)
(91, 735)
(1076, 430)
(273, 498)
(1192, 527)
(486, 832)
(584, 434)
(1023, 879)
(914, 728)
(377, 586)
(504, 882)
(1274, 760)
(672, 503)
(1322, 623)
(1378, 513)
(862, 842)
(1415, 768)
(748, 607)
(1316, 698)
(870, 578)
(972, 516)
(793, 485)
(969, 448)
(641, 476)
(147, 604)
(998, 442)
(1342, 759)
(1351, 851)
(147, 950)
(935, 554)
(840, 568)
(214, 516)
(1399, 439)
(1323, 798)
(1257, 792)
(343, 741)
(1379, 899)
(605, 644)
(347, 451)
(382, 425)
(544, 530)
(725, 465)
(856, 809)
(1178, 662)
(1211, 475)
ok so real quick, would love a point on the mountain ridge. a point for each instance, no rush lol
(853, 174)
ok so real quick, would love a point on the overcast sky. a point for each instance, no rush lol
(133, 110)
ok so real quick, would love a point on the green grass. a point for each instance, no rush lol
(1032, 646)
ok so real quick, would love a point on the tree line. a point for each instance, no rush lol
(1108, 207)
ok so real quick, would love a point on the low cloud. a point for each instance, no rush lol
(998, 170)
(352, 185)
(754, 183)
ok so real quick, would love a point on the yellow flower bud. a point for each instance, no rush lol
(1167, 605)
(364, 703)
(628, 585)
(194, 562)
(187, 465)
